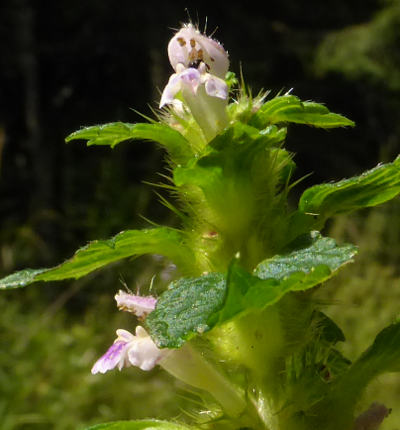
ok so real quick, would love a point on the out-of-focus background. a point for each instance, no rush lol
(66, 64)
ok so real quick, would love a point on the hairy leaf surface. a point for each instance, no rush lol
(195, 305)
(96, 254)
(185, 309)
(307, 252)
(372, 188)
(115, 132)
(289, 108)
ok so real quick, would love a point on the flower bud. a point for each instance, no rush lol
(191, 48)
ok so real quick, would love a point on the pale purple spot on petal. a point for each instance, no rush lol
(139, 305)
(216, 87)
(113, 357)
(187, 78)
(191, 78)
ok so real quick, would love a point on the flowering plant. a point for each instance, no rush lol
(240, 321)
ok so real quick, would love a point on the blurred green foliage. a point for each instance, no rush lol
(46, 354)
(365, 296)
(368, 50)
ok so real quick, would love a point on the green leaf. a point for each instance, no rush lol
(328, 330)
(372, 188)
(165, 241)
(115, 132)
(289, 108)
(236, 152)
(195, 305)
(140, 425)
(247, 292)
(306, 253)
(185, 308)
(383, 355)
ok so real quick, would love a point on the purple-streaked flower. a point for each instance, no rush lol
(141, 306)
(200, 64)
(130, 350)
(189, 80)
(190, 48)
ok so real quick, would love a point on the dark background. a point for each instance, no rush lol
(67, 64)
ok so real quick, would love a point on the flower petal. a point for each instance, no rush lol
(144, 353)
(115, 356)
(189, 47)
(138, 305)
(189, 79)
(170, 90)
(216, 87)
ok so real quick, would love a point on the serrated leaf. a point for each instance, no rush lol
(195, 305)
(115, 132)
(96, 254)
(289, 108)
(372, 188)
(185, 308)
(306, 253)
(140, 425)
(232, 153)
(247, 292)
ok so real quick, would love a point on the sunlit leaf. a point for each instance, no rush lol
(115, 132)
(96, 254)
(289, 108)
(185, 308)
(307, 252)
(372, 188)
(195, 305)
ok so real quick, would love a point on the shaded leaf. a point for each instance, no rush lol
(115, 132)
(383, 355)
(328, 330)
(96, 254)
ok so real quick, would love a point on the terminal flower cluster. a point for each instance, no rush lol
(200, 65)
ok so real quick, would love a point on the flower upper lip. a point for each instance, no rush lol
(189, 47)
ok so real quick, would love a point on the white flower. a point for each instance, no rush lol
(189, 80)
(200, 64)
(191, 48)
(141, 306)
(130, 350)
